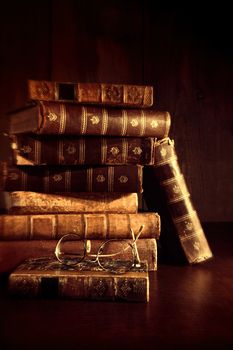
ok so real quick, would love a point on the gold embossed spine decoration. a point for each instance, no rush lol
(52, 118)
(184, 216)
(95, 226)
(92, 93)
(127, 178)
(71, 150)
(35, 277)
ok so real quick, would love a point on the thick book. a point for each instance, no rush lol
(174, 189)
(52, 118)
(63, 150)
(52, 179)
(86, 226)
(13, 253)
(46, 277)
(91, 93)
(27, 202)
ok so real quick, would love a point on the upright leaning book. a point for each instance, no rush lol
(185, 218)
(91, 93)
(48, 278)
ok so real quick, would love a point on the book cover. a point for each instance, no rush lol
(52, 118)
(86, 226)
(63, 150)
(13, 253)
(27, 202)
(46, 277)
(91, 93)
(174, 188)
(53, 179)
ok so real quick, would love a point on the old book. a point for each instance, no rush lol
(46, 277)
(52, 179)
(42, 150)
(91, 93)
(13, 253)
(26, 202)
(52, 118)
(88, 226)
(188, 227)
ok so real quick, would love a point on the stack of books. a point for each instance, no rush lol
(78, 154)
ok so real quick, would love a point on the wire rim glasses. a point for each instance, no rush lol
(113, 255)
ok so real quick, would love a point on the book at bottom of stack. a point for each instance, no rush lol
(35, 221)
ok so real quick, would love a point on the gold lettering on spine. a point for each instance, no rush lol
(143, 124)
(104, 148)
(37, 152)
(104, 121)
(56, 91)
(62, 125)
(167, 123)
(124, 150)
(124, 122)
(68, 180)
(185, 217)
(102, 92)
(84, 121)
(167, 161)
(82, 151)
(60, 151)
(110, 179)
(178, 199)
(192, 235)
(105, 233)
(125, 94)
(89, 179)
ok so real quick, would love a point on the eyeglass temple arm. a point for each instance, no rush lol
(135, 244)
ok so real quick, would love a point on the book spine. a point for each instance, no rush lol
(131, 287)
(34, 150)
(26, 202)
(13, 253)
(119, 178)
(60, 118)
(185, 218)
(102, 94)
(86, 226)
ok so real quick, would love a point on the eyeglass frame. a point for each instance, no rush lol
(87, 248)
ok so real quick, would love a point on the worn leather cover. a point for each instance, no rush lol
(13, 253)
(46, 277)
(38, 150)
(52, 118)
(90, 226)
(27, 202)
(183, 214)
(119, 178)
(91, 93)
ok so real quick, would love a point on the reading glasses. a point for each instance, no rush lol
(113, 255)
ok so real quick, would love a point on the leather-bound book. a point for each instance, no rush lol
(46, 277)
(91, 93)
(184, 216)
(52, 118)
(38, 150)
(52, 179)
(26, 202)
(88, 226)
(13, 253)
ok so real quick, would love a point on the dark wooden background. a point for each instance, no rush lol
(185, 52)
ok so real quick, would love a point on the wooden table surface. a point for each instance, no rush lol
(191, 307)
